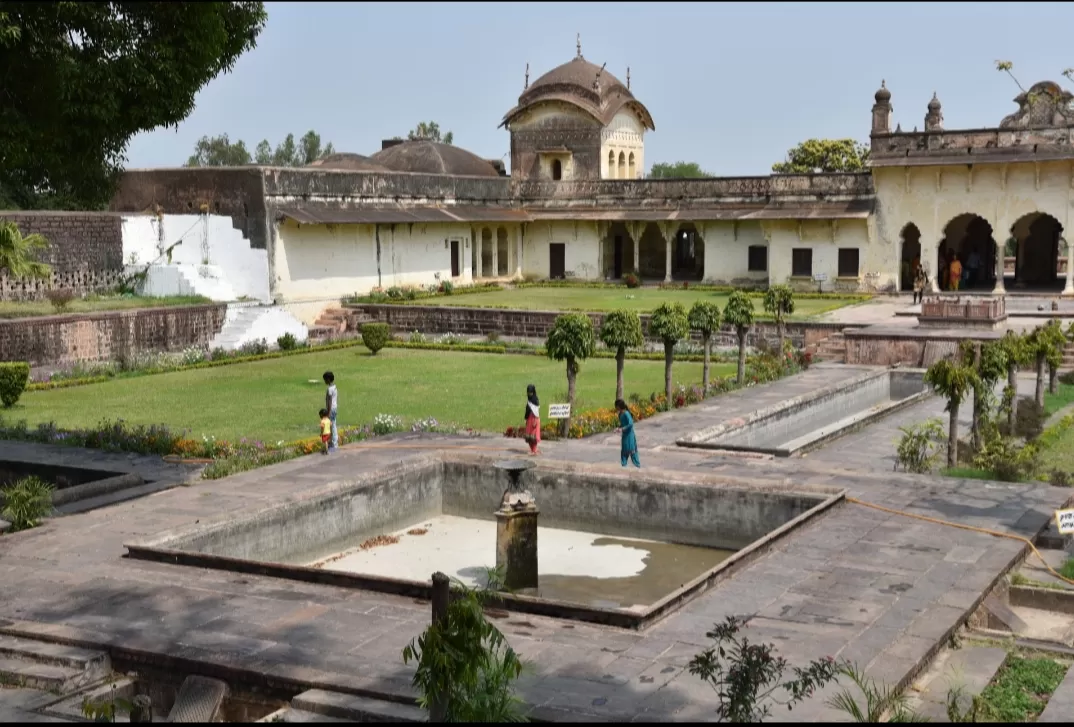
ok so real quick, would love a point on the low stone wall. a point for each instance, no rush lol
(65, 340)
(537, 324)
(910, 348)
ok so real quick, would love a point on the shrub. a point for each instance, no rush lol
(375, 335)
(60, 298)
(920, 446)
(387, 424)
(447, 287)
(192, 355)
(1067, 378)
(14, 375)
(417, 337)
(27, 502)
(1006, 458)
(218, 354)
(1059, 478)
(1029, 420)
(631, 280)
(253, 348)
(493, 337)
(287, 342)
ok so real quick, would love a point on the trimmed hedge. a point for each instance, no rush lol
(14, 376)
(462, 347)
(381, 298)
(375, 336)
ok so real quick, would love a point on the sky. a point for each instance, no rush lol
(731, 86)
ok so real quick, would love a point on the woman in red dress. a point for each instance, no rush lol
(533, 418)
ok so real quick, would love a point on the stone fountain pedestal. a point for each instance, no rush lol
(516, 531)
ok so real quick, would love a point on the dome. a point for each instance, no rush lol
(584, 85)
(347, 162)
(432, 157)
(883, 95)
(934, 104)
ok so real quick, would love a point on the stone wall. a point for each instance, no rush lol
(65, 340)
(916, 349)
(537, 324)
(85, 252)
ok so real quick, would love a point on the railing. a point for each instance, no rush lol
(775, 185)
(989, 309)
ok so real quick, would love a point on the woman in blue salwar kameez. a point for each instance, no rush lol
(629, 448)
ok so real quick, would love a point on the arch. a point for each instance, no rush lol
(910, 251)
(1035, 243)
(630, 167)
(967, 237)
(503, 252)
(557, 170)
(652, 253)
(486, 253)
(618, 252)
(611, 164)
(622, 166)
(688, 253)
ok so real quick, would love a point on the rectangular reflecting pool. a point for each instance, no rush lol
(619, 548)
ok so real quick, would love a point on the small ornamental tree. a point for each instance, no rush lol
(779, 303)
(1041, 344)
(670, 323)
(571, 340)
(739, 313)
(18, 253)
(953, 381)
(621, 330)
(989, 362)
(704, 318)
(1017, 352)
(1057, 342)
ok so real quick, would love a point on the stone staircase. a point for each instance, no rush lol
(50, 667)
(967, 670)
(249, 321)
(318, 705)
(1068, 356)
(833, 349)
(332, 323)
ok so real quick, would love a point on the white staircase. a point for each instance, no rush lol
(247, 322)
(208, 281)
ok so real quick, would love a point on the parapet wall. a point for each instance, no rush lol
(85, 252)
(65, 340)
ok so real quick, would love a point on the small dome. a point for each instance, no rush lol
(934, 104)
(432, 157)
(348, 162)
(883, 95)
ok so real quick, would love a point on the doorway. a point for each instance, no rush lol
(456, 263)
(618, 256)
(557, 260)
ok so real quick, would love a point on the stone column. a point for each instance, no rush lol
(1068, 289)
(637, 255)
(518, 253)
(999, 288)
(495, 256)
(668, 237)
(477, 247)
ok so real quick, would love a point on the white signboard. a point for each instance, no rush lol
(1064, 521)
(820, 277)
(559, 411)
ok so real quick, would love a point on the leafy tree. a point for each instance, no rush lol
(779, 303)
(18, 254)
(1043, 343)
(429, 131)
(571, 340)
(1018, 354)
(81, 79)
(951, 380)
(989, 362)
(218, 151)
(704, 318)
(1054, 358)
(670, 323)
(621, 330)
(824, 155)
(739, 313)
(677, 170)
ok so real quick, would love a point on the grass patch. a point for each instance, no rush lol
(1067, 571)
(1054, 402)
(1058, 454)
(642, 300)
(94, 304)
(1018, 579)
(967, 473)
(274, 400)
(1021, 688)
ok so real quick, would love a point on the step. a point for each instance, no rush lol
(971, 668)
(1061, 703)
(91, 664)
(359, 709)
(122, 688)
(199, 700)
(111, 498)
(46, 677)
(290, 714)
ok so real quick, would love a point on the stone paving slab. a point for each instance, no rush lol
(1060, 707)
(857, 583)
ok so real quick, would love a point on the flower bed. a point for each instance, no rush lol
(410, 293)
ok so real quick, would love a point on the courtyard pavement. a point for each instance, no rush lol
(879, 589)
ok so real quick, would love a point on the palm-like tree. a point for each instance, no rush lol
(18, 253)
(621, 330)
(670, 323)
(779, 303)
(952, 380)
(739, 313)
(571, 340)
(705, 318)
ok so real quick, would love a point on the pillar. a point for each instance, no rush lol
(999, 288)
(637, 254)
(495, 256)
(516, 547)
(1068, 289)
(668, 237)
(518, 253)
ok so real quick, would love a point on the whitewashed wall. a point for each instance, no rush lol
(582, 252)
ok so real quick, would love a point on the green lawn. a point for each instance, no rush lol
(92, 304)
(275, 399)
(642, 300)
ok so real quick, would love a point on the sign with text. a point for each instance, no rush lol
(1064, 521)
(559, 411)
(820, 277)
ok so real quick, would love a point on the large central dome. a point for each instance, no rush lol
(589, 87)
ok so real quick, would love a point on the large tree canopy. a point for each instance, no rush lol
(220, 151)
(81, 78)
(678, 170)
(824, 155)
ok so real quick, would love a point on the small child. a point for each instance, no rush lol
(629, 447)
(326, 430)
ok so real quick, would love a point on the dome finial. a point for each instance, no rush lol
(578, 44)
(527, 84)
(628, 78)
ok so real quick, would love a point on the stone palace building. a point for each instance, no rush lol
(577, 205)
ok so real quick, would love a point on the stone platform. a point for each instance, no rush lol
(872, 587)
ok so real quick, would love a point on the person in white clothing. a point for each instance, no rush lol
(331, 402)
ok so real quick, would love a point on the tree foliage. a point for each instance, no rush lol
(779, 303)
(571, 340)
(677, 170)
(739, 313)
(18, 254)
(220, 151)
(620, 330)
(81, 79)
(429, 131)
(953, 381)
(815, 156)
(704, 317)
(670, 323)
